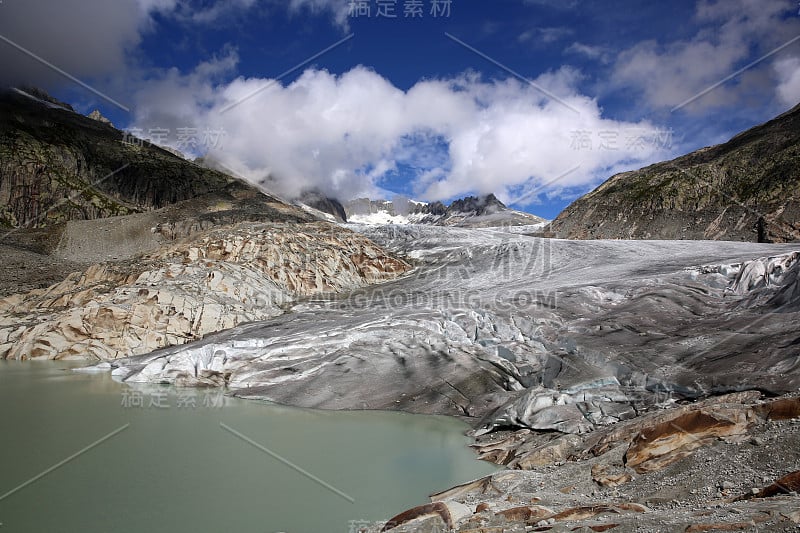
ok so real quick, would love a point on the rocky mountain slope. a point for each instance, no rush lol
(472, 211)
(329, 208)
(747, 189)
(57, 165)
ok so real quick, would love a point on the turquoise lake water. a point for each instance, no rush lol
(99, 456)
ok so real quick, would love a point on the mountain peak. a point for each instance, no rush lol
(317, 200)
(479, 205)
(96, 115)
(486, 210)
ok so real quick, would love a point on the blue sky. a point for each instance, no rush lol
(422, 106)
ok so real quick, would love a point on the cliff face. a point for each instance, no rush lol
(324, 204)
(747, 189)
(57, 165)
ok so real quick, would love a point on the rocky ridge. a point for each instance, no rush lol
(330, 207)
(57, 165)
(471, 211)
(747, 189)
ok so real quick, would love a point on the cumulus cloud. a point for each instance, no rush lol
(594, 52)
(669, 74)
(343, 134)
(788, 72)
(338, 9)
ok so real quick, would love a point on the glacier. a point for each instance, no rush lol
(508, 330)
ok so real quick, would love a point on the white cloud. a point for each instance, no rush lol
(596, 53)
(218, 10)
(153, 6)
(337, 9)
(669, 74)
(342, 134)
(208, 12)
(545, 35)
(788, 71)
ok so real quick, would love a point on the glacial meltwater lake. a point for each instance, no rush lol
(82, 453)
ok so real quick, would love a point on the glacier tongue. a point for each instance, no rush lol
(511, 330)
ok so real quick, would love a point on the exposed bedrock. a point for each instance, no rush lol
(721, 464)
(207, 282)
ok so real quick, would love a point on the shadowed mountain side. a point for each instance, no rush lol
(57, 165)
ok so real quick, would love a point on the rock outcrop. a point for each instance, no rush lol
(98, 116)
(703, 467)
(476, 205)
(747, 189)
(324, 204)
(180, 292)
